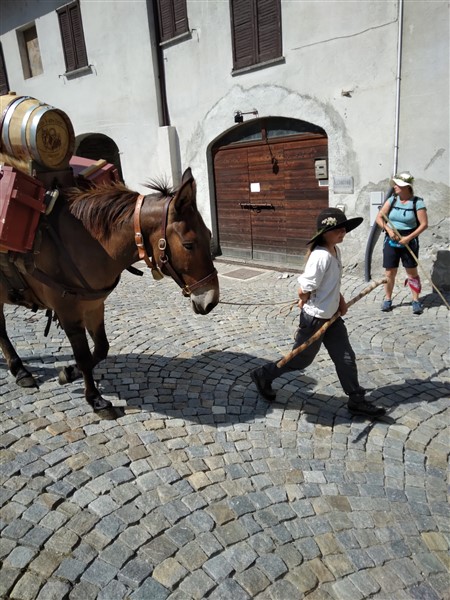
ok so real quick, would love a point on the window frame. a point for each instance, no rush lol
(72, 36)
(4, 84)
(27, 38)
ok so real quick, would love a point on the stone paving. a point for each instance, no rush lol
(203, 489)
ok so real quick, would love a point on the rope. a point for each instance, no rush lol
(293, 302)
(386, 218)
(327, 324)
(262, 304)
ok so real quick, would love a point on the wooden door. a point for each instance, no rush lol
(268, 198)
(267, 211)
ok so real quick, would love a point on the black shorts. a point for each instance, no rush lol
(392, 256)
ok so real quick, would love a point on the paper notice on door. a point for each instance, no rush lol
(255, 187)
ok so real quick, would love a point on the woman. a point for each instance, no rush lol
(320, 299)
(408, 215)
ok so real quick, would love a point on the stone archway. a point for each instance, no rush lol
(271, 180)
(97, 146)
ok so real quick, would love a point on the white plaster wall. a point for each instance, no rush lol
(328, 47)
(119, 98)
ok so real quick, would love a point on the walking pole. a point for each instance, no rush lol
(392, 226)
(327, 324)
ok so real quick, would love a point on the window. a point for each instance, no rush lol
(172, 19)
(4, 85)
(256, 32)
(30, 52)
(72, 36)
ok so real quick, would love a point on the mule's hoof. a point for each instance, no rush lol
(62, 377)
(68, 374)
(25, 379)
(110, 414)
(105, 410)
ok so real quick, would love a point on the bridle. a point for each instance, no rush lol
(162, 261)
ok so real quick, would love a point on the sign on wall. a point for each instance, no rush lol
(343, 185)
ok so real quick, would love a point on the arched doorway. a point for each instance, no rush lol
(271, 181)
(97, 146)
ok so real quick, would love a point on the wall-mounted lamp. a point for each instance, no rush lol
(239, 115)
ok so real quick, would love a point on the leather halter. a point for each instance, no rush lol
(162, 260)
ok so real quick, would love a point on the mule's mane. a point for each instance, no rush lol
(104, 208)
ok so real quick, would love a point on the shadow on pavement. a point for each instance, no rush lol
(215, 388)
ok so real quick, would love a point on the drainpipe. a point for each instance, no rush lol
(398, 80)
(165, 118)
(375, 231)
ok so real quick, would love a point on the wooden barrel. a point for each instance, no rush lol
(31, 129)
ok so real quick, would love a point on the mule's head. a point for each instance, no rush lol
(189, 248)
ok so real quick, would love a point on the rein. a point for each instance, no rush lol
(162, 261)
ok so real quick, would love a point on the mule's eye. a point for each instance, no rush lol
(188, 245)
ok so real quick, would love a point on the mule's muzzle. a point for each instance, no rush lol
(203, 303)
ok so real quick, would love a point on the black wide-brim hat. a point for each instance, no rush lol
(334, 218)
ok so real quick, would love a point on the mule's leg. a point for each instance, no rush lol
(86, 361)
(95, 325)
(23, 377)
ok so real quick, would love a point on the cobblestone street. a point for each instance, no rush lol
(204, 490)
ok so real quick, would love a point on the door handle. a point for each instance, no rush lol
(256, 207)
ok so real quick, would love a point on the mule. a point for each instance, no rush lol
(81, 248)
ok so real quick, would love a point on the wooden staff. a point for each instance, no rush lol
(392, 226)
(327, 324)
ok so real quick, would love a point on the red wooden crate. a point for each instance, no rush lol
(21, 204)
(87, 171)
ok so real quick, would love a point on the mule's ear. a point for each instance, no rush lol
(187, 175)
(186, 194)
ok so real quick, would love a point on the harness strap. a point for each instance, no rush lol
(25, 262)
(163, 261)
(138, 238)
(200, 283)
(62, 249)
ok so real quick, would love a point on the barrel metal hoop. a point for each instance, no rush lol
(23, 129)
(7, 120)
(33, 130)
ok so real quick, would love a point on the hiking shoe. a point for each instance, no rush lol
(264, 386)
(417, 307)
(360, 406)
(386, 306)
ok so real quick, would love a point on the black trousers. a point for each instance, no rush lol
(336, 341)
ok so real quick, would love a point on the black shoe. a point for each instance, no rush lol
(360, 406)
(264, 386)
(386, 306)
(417, 307)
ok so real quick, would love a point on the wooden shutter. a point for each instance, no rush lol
(180, 16)
(243, 32)
(72, 36)
(78, 35)
(256, 31)
(4, 85)
(269, 29)
(172, 18)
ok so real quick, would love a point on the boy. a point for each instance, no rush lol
(320, 298)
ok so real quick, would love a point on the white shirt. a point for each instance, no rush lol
(322, 277)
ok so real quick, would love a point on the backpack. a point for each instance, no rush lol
(414, 200)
